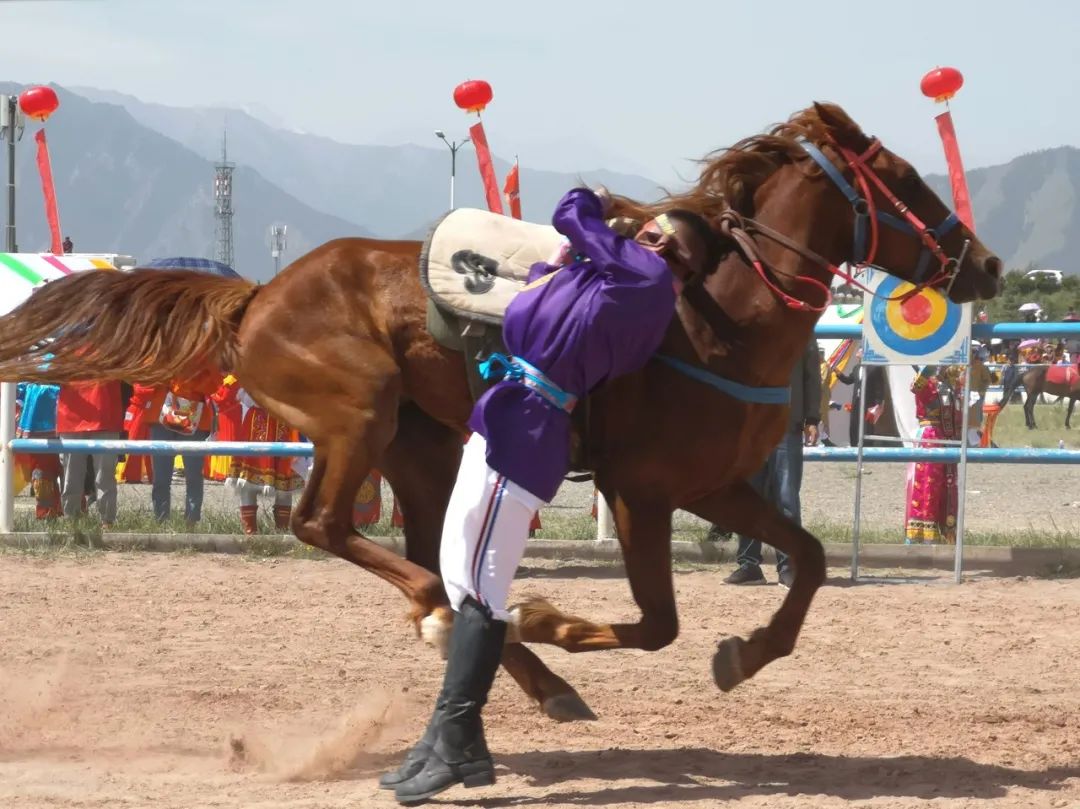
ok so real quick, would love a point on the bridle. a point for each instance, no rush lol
(867, 221)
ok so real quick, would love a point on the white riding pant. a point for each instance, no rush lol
(484, 533)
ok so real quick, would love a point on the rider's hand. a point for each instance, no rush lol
(605, 199)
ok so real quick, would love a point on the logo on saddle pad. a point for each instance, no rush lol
(479, 270)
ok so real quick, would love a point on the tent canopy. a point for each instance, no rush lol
(191, 263)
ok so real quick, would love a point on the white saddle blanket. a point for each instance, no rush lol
(475, 262)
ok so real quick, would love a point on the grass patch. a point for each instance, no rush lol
(1010, 431)
(875, 535)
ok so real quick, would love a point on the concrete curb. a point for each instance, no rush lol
(1002, 560)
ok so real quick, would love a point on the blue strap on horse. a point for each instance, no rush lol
(518, 370)
(736, 390)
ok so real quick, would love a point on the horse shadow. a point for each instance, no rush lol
(700, 774)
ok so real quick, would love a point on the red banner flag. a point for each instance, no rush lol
(957, 178)
(487, 170)
(49, 192)
(512, 190)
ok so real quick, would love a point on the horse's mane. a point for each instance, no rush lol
(729, 176)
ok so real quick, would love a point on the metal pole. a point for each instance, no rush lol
(8, 389)
(453, 172)
(961, 476)
(12, 112)
(861, 416)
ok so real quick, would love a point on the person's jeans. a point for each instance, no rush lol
(778, 482)
(74, 488)
(162, 465)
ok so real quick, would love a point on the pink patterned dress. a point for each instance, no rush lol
(930, 516)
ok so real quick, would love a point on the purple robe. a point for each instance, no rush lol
(581, 326)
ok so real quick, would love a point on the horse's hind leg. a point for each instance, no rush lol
(742, 509)
(421, 464)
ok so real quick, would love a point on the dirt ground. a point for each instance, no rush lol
(203, 681)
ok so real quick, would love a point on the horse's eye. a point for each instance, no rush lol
(910, 181)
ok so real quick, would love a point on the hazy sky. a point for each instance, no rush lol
(631, 84)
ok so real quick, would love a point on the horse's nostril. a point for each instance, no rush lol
(993, 266)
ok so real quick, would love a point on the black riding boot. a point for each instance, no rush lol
(415, 758)
(459, 754)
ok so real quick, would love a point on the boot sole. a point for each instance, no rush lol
(484, 778)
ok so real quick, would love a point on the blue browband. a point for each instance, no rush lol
(518, 370)
(862, 215)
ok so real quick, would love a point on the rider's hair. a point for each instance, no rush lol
(714, 248)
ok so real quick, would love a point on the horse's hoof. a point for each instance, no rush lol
(435, 630)
(567, 707)
(727, 670)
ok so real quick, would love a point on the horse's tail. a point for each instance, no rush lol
(146, 326)
(1010, 380)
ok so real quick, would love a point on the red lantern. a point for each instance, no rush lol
(942, 83)
(39, 103)
(473, 95)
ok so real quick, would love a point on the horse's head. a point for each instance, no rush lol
(900, 224)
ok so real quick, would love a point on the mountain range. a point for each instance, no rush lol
(137, 178)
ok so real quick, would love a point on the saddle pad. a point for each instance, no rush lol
(475, 262)
(1062, 375)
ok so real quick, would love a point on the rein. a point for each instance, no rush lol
(867, 218)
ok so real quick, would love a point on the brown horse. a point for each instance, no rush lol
(336, 346)
(1057, 380)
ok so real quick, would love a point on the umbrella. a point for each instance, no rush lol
(1029, 343)
(189, 263)
(1029, 307)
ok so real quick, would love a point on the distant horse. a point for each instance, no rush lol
(1062, 381)
(337, 347)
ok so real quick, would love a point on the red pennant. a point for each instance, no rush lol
(512, 190)
(957, 179)
(487, 170)
(49, 192)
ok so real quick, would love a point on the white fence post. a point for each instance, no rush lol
(7, 457)
(605, 522)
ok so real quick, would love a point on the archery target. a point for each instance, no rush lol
(925, 329)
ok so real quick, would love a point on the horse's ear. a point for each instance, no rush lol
(840, 125)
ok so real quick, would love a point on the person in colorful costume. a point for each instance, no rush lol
(36, 406)
(252, 475)
(137, 468)
(931, 487)
(573, 327)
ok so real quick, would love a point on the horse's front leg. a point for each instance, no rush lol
(1068, 413)
(645, 536)
(740, 508)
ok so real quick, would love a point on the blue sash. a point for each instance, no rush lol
(518, 370)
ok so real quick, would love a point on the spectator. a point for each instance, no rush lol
(180, 411)
(90, 410)
(68, 245)
(36, 407)
(251, 475)
(981, 378)
(930, 516)
(780, 479)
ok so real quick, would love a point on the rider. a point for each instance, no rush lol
(572, 327)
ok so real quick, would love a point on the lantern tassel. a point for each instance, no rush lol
(52, 214)
(957, 178)
(487, 170)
